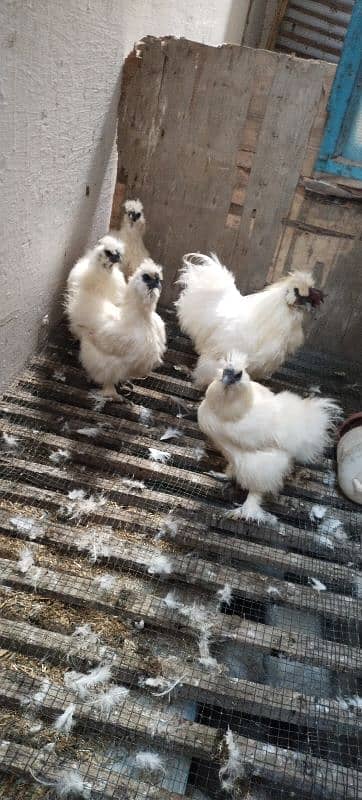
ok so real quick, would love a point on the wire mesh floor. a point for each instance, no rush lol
(119, 564)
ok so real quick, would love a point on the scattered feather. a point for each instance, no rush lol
(76, 494)
(199, 453)
(108, 699)
(96, 543)
(219, 476)
(64, 723)
(129, 483)
(333, 528)
(98, 400)
(58, 375)
(325, 540)
(139, 624)
(38, 697)
(315, 389)
(145, 415)
(159, 455)
(147, 760)
(317, 512)
(273, 590)
(59, 456)
(82, 683)
(160, 565)
(169, 526)
(159, 682)
(85, 634)
(317, 585)
(171, 601)
(11, 442)
(27, 526)
(233, 768)
(25, 561)
(105, 582)
(89, 431)
(70, 783)
(170, 433)
(82, 504)
(225, 594)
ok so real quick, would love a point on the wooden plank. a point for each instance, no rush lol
(204, 541)
(216, 689)
(326, 780)
(27, 410)
(131, 718)
(180, 478)
(206, 575)
(173, 153)
(154, 613)
(38, 766)
(292, 106)
(298, 538)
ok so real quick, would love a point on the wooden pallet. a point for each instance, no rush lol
(46, 411)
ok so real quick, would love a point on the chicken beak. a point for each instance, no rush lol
(228, 376)
(315, 297)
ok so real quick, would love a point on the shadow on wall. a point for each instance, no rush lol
(80, 236)
(235, 25)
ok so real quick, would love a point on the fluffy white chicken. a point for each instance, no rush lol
(261, 433)
(267, 325)
(132, 232)
(95, 279)
(130, 340)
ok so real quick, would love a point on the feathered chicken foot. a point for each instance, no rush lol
(251, 510)
(109, 390)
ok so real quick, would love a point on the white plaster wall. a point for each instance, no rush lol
(59, 84)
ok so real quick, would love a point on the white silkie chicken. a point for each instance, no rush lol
(267, 325)
(130, 340)
(96, 278)
(132, 232)
(261, 433)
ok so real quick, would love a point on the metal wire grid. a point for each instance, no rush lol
(285, 643)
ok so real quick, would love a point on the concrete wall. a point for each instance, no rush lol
(59, 88)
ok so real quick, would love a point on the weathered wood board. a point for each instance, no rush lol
(219, 143)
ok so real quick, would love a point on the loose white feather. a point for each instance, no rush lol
(317, 585)
(145, 415)
(81, 683)
(225, 594)
(150, 761)
(105, 583)
(171, 601)
(318, 512)
(233, 767)
(71, 784)
(90, 431)
(159, 455)
(160, 565)
(25, 561)
(59, 456)
(65, 722)
(129, 483)
(170, 433)
(106, 701)
(11, 442)
(27, 526)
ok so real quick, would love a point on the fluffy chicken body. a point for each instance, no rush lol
(94, 281)
(267, 325)
(261, 433)
(130, 340)
(131, 233)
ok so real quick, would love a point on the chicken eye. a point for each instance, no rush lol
(145, 277)
(108, 253)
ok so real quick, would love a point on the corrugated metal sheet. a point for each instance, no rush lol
(315, 29)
